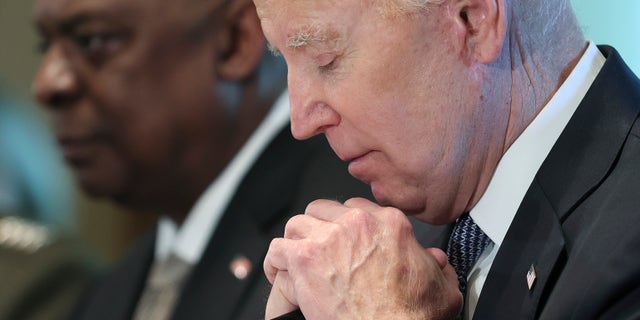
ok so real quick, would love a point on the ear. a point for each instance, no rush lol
(485, 24)
(242, 42)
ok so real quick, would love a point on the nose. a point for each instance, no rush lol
(311, 113)
(56, 83)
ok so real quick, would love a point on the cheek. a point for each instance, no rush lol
(136, 114)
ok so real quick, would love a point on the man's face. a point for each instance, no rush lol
(130, 86)
(391, 94)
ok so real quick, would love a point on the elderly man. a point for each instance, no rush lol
(494, 114)
(166, 106)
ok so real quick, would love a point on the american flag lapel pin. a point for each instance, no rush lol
(531, 277)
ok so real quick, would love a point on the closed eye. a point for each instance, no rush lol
(326, 62)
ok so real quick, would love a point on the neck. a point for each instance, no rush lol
(542, 49)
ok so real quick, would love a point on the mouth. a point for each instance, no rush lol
(359, 159)
(348, 156)
(359, 167)
(354, 158)
(77, 150)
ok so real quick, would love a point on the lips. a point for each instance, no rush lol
(77, 149)
(346, 156)
(359, 158)
(360, 167)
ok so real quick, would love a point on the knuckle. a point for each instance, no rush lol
(359, 220)
(355, 201)
(359, 216)
(333, 231)
(315, 203)
(356, 214)
(292, 223)
(305, 253)
(396, 220)
(272, 245)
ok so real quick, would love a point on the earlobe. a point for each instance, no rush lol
(485, 27)
(242, 43)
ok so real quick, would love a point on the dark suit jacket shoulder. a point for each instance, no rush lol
(287, 176)
(577, 225)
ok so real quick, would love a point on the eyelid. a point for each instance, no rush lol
(326, 58)
(99, 47)
(98, 39)
(327, 62)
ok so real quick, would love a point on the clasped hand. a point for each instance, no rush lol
(358, 260)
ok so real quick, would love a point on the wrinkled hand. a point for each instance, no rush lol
(358, 261)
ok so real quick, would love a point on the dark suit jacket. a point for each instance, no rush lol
(578, 223)
(286, 177)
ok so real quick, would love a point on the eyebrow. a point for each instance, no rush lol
(310, 35)
(299, 40)
(64, 24)
(304, 38)
(72, 21)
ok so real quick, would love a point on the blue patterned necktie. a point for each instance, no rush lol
(465, 246)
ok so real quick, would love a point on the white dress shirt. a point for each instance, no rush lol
(495, 211)
(190, 240)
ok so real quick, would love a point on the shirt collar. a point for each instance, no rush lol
(189, 240)
(497, 207)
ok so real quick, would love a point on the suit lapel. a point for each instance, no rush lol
(532, 240)
(237, 236)
(260, 204)
(576, 165)
(118, 293)
(591, 142)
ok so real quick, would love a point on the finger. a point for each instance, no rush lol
(300, 226)
(327, 210)
(439, 256)
(282, 297)
(277, 257)
(363, 204)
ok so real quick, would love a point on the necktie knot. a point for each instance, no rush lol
(465, 247)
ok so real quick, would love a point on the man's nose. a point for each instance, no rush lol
(56, 83)
(311, 112)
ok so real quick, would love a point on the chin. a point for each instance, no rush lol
(413, 206)
(96, 185)
(407, 205)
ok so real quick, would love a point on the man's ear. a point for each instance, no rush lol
(485, 25)
(242, 43)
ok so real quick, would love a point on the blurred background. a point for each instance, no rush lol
(39, 178)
